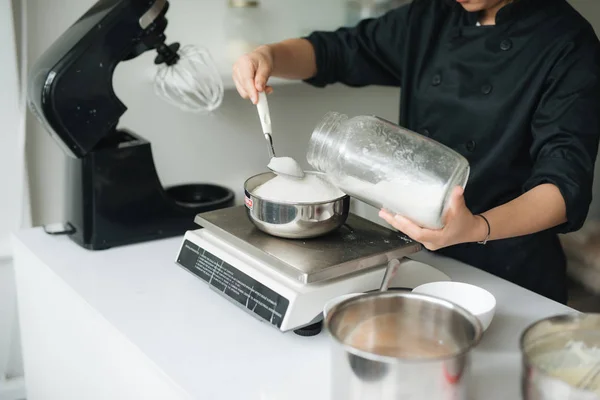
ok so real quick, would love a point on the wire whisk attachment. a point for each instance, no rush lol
(188, 78)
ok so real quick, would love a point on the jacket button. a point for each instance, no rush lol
(437, 79)
(486, 89)
(471, 145)
(505, 45)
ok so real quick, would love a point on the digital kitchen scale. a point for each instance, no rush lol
(286, 283)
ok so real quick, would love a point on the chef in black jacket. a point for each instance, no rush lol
(514, 86)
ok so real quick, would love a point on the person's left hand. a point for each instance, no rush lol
(460, 226)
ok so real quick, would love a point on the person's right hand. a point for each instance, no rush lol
(251, 73)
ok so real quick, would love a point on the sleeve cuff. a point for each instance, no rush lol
(319, 45)
(574, 186)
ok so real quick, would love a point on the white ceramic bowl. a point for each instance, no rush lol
(474, 299)
(336, 300)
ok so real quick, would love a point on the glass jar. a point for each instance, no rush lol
(387, 166)
(244, 24)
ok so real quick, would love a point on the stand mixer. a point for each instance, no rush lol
(114, 196)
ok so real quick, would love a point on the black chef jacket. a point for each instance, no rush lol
(520, 100)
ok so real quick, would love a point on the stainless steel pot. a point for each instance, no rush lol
(293, 220)
(401, 345)
(550, 335)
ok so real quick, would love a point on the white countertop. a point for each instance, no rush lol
(213, 350)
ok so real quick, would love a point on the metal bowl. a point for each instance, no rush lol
(545, 337)
(400, 345)
(293, 220)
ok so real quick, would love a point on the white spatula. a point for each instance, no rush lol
(279, 165)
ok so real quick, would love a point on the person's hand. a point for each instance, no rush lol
(461, 226)
(251, 73)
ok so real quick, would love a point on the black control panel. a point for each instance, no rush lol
(234, 284)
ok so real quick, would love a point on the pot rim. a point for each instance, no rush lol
(529, 365)
(574, 316)
(395, 360)
(290, 203)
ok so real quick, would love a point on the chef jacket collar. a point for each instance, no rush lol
(510, 12)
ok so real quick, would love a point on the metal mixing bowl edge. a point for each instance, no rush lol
(297, 220)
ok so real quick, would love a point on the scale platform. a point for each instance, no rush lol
(287, 282)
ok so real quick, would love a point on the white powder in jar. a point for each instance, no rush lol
(310, 189)
(421, 201)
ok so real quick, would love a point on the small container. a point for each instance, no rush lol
(357, 10)
(244, 24)
(387, 166)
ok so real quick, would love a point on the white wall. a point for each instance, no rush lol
(9, 115)
(11, 202)
(11, 123)
(10, 353)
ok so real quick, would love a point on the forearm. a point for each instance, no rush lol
(541, 208)
(292, 59)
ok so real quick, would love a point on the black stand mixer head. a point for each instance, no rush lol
(114, 194)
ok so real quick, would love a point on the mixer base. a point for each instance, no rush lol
(115, 197)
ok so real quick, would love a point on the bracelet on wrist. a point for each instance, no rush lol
(489, 229)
